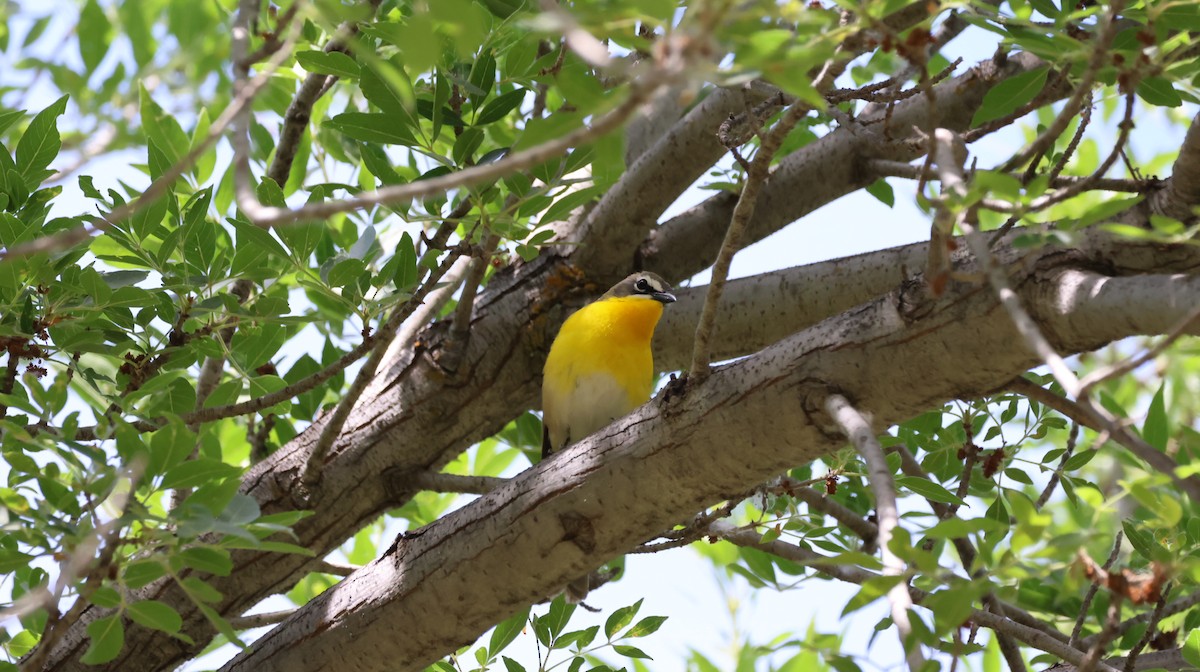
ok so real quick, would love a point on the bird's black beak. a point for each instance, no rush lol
(663, 297)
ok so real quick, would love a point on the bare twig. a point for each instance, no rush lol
(435, 481)
(1092, 659)
(460, 328)
(742, 212)
(1151, 629)
(949, 155)
(394, 195)
(260, 620)
(858, 430)
(335, 569)
(1091, 594)
(1035, 638)
(584, 44)
(862, 527)
(1130, 363)
(1098, 418)
(1072, 438)
(1177, 607)
(1104, 38)
(879, 92)
(383, 338)
(888, 168)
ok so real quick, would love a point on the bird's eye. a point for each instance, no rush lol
(642, 285)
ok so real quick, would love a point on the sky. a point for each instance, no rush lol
(679, 583)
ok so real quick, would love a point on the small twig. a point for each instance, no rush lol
(383, 338)
(1008, 645)
(1099, 419)
(889, 168)
(260, 620)
(460, 328)
(1035, 638)
(334, 569)
(429, 308)
(1054, 477)
(756, 176)
(1091, 594)
(1129, 364)
(1085, 117)
(395, 195)
(1151, 629)
(299, 111)
(878, 92)
(584, 44)
(949, 155)
(858, 430)
(1092, 659)
(1177, 607)
(862, 527)
(1104, 39)
(435, 481)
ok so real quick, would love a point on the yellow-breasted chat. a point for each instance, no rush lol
(600, 365)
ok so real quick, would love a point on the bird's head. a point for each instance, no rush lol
(642, 284)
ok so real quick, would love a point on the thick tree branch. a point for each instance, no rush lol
(1182, 194)
(599, 499)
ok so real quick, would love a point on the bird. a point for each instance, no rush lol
(600, 365)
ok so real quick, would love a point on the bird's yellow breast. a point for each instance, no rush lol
(603, 347)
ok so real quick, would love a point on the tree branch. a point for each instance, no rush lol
(858, 430)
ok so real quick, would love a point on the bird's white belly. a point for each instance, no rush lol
(597, 400)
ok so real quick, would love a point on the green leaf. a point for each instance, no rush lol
(406, 265)
(156, 615)
(1009, 95)
(1106, 210)
(108, 636)
(208, 559)
(40, 143)
(142, 572)
(499, 107)
(506, 631)
(372, 127)
(630, 651)
(647, 626)
(94, 39)
(954, 528)
(881, 190)
(1191, 648)
(390, 90)
(929, 490)
(8, 118)
(162, 130)
(1155, 430)
(510, 665)
(1078, 460)
(328, 63)
(1159, 91)
(197, 472)
(559, 615)
(620, 619)
(169, 447)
